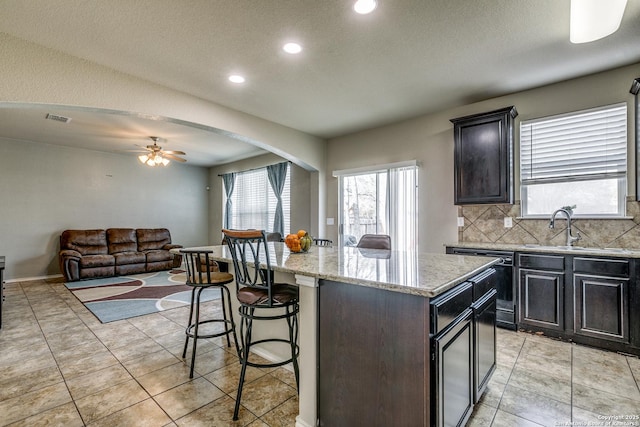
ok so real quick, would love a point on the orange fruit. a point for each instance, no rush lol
(301, 233)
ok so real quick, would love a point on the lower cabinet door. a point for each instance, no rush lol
(484, 337)
(453, 373)
(542, 299)
(601, 307)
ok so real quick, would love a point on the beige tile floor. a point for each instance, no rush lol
(60, 366)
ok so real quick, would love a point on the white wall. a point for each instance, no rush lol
(45, 189)
(429, 139)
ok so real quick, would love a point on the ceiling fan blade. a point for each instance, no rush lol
(181, 153)
(176, 158)
(136, 151)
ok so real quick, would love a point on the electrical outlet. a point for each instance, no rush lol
(508, 222)
(460, 221)
(329, 221)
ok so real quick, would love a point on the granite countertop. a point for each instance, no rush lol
(564, 250)
(423, 274)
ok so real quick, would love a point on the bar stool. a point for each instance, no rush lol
(375, 241)
(203, 273)
(255, 290)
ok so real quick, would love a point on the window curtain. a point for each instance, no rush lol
(229, 180)
(403, 205)
(277, 174)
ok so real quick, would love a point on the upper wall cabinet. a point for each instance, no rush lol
(484, 157)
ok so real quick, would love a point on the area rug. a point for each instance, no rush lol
(122, 297)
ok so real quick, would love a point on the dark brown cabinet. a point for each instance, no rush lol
(453, 376)
(601, 289)
(484, 343)
(542, 301)
(584, 299)
(483, 162)
(541, 280)
(387, 358)
(373, 356)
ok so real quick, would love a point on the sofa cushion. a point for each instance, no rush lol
(91, 261)
(123, 258)
(122, 240)
(152, 238)
(159, 255)
(86, 242)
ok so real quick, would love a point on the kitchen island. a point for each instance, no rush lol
(375, 328)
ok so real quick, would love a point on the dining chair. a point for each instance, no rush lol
(322, 242)
(258, 295)
(375, 241)
(274, 237)
(204, 273)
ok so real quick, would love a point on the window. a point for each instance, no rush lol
(254, 203)
(578, 159)
(380, 200)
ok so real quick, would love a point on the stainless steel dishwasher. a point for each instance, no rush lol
(505, 283)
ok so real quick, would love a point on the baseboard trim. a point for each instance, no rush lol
(301, 423)
(29, 279)
(270, 357)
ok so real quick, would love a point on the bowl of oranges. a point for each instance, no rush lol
(299, 242)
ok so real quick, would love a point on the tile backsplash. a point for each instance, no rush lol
(485, 224)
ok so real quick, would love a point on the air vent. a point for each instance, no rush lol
(57, 118)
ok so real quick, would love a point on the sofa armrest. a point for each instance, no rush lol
(170, 246)
(70, 253)
(70, 264)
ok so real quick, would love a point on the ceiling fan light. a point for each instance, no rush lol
(150, 162)
(594, 19)
(157, 159)
(165, 162)
(143, 158)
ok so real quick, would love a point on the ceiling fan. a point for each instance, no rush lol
(155, 155)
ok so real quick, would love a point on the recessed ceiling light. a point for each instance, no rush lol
(593, 19)
(364, 6)
(292, 48)
(236, 78)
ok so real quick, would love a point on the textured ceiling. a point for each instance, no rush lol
(408, 58)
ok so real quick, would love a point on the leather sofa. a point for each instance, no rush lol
(88, 254)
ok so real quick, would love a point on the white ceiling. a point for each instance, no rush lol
(409, 57)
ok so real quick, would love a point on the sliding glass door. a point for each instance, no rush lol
(379, 201)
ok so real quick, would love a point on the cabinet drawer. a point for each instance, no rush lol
(541, 262)
(483, 283)
(448, 306)
(602, 267)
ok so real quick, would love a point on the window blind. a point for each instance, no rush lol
(254, 203)
(584, 145)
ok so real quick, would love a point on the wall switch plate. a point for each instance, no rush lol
(508, 222)
(460, 221)
(329, 221)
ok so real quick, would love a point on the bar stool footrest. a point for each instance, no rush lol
(190, 334)
(274, 364)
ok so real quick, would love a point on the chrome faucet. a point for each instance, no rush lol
(552, 223)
